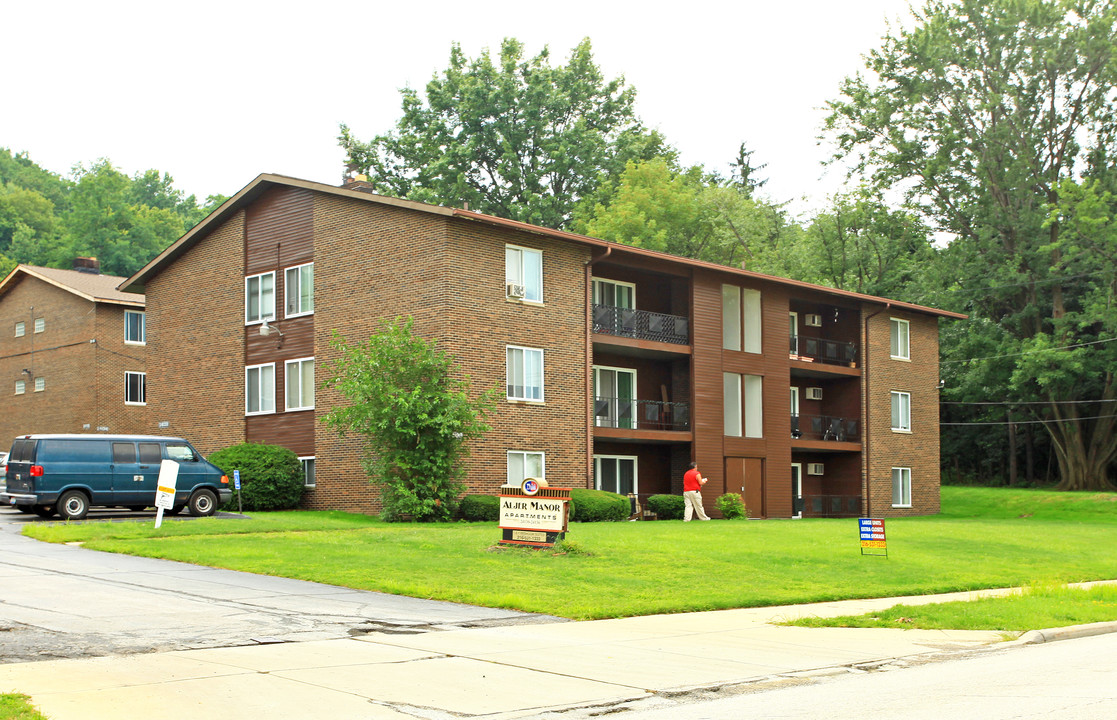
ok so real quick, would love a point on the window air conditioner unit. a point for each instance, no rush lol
(814, 393)
(815, 468)
(812, 320)
(514, 290)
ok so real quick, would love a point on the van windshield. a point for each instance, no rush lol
(181, 453)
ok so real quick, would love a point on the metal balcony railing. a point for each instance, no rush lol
(829, 352)
(832, 506)
(641, 324)
(824, 427)
(641, 414)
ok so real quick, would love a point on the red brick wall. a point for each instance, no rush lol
(887, 448)
(195, 341)
(84, 381)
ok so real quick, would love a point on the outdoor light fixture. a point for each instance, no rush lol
(267, 330)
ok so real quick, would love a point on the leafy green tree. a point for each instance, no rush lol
(980, 112)
(516, 138)
(415, 412)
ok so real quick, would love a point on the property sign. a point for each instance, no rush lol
(872, 536)
(165, 489)
(534, 515)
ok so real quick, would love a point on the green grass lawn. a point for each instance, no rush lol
(984, 538)
(14, 706)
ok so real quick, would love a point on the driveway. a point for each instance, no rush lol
(60, 601)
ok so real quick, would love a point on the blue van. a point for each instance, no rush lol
(68, 474)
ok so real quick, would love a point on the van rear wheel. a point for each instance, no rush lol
(73, 505)
(203, 503)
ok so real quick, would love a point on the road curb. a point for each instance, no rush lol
(1070, 632)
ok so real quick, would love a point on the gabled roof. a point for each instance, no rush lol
(265, 181)
(88, 286)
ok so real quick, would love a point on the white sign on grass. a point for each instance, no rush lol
(165, 489)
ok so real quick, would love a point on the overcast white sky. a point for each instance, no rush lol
(215, 93)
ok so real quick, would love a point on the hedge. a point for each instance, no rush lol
(598, 506)
(667, 507)
(271, 476)
(480, 508)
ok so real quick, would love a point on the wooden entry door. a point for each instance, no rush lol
(746, 476)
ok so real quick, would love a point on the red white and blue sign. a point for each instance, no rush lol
(872, 535)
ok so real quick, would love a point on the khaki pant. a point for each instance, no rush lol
(692, 505)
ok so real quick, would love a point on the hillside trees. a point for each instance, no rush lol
(512, 137)
(982, 113)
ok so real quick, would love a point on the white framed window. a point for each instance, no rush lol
(614, 397)
(259, 389)
(740, 319)
(135, 328)
(21, 328)
(614, 293)
(743, 409)
(40, 325)
(901, 487)
(523, 465)
(731, 410)
(309, 478)
(21, 387)
(901, 339)
(40, 384)
(524, 266)
(299, 378)
(901, 411)
(793, 332)
(298, 290)
(615, 473)
(525, 373)
(135, 388)
(259, 298)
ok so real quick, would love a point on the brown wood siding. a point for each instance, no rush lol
(279, 233)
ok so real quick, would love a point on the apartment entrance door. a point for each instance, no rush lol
(746, 476)
(796, 490)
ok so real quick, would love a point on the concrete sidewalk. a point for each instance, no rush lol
(538, 670)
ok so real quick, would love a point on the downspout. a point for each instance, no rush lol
(865, 401)
(589, 362)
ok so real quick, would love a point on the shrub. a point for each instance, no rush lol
(271, 477)
(480, 508)
(667, 507)
(731, 506)
(599, 506)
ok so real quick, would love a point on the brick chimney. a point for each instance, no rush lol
(89, 265)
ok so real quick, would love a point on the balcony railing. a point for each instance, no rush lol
(828, 352)
(832, 506)
(641, 414)
(641, 324)
(824, 427)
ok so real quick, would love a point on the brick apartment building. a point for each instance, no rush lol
(72, 353)
(619, 365)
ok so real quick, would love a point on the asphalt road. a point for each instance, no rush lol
(60, 601)
(1065, 680)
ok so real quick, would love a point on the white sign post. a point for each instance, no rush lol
(165, 491)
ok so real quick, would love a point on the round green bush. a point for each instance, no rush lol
(271, 476)
(731, 506)
(598, 506)
(667, 507)
(480, 508)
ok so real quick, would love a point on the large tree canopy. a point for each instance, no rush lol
(518, 138)
(982, 113)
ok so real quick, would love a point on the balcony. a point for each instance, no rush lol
(625, 414)
(824, 427)
(641, 325)
(832, 506)
(827, 352)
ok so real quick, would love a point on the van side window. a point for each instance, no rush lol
(72, 451)
(150, 453)
(123, 453)
(181, 453)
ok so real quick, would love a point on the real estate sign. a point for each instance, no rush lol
(872, 536)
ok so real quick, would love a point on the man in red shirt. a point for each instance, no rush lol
(692, 494)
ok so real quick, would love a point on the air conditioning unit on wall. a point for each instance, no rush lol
(514, 291)
(814, 393)
(812, 320)
(816, 469)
